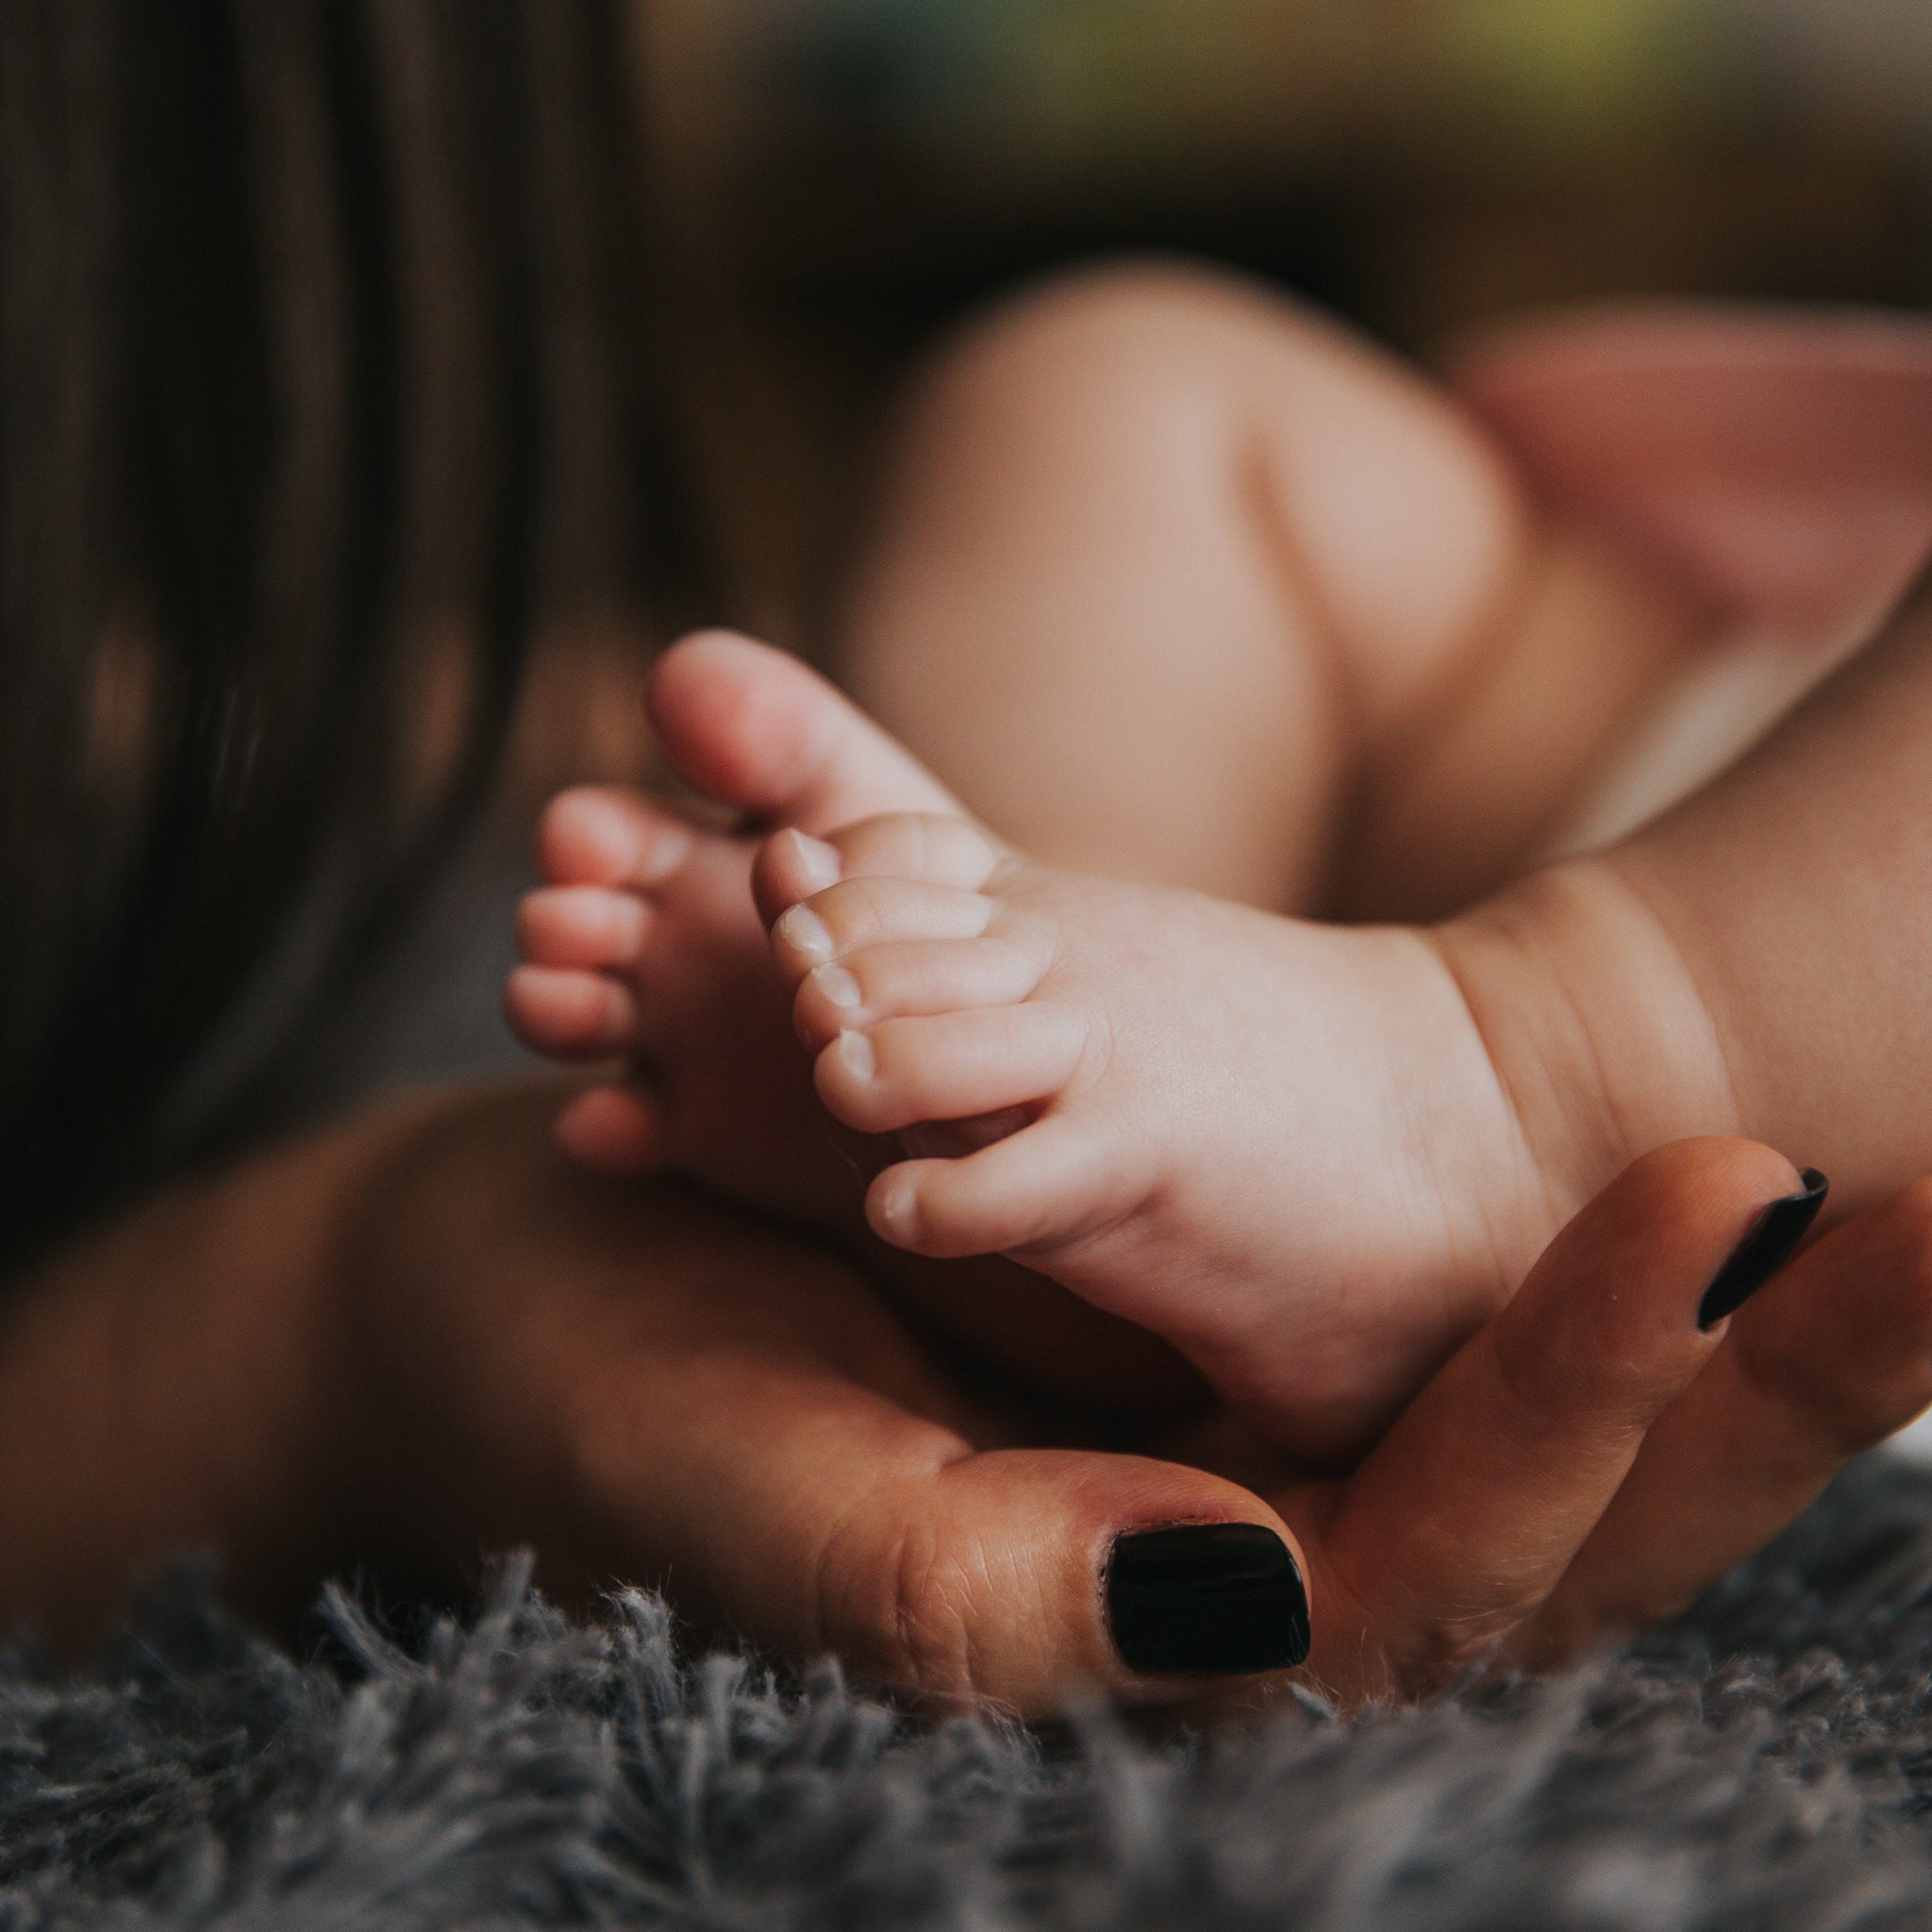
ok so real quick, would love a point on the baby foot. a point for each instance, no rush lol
(646, 946)
(1280, 1146)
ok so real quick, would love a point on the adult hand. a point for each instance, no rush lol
(1592, 1458)
(641, 1387)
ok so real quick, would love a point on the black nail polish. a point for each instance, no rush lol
(1206, 1599)
(1773, 1238)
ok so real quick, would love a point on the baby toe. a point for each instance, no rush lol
(927, 848)
(930, 847)
(789, 866)
(1045, 1184)
(910, 978)
(570, 1014)
(870, 912)
(753, 726)
(589, 927)
(602, 835)
(953, 1067)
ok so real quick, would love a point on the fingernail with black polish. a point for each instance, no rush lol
(1773, 1238)
(1206, 1599)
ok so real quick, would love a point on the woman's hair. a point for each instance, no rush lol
(325, 368)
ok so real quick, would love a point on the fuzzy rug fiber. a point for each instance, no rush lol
(1766, 1762)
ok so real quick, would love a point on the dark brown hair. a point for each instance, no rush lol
(325, 364)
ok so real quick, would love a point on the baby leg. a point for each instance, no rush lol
(1173, 579)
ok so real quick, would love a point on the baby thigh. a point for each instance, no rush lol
(1171, 579)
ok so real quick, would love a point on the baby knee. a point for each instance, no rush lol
(1124, 340)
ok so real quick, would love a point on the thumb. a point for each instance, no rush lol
(788, 1503)
(1015, 1575)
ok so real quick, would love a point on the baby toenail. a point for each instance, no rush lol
(857, 1056)
(819, 861)
(837, 986)
(805, 933)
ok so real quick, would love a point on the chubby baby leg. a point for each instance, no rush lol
(1174, 579)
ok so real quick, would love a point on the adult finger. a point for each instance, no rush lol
(1832, 1357)
(1465, 1516)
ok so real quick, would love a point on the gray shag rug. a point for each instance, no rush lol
(1766, 1762)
